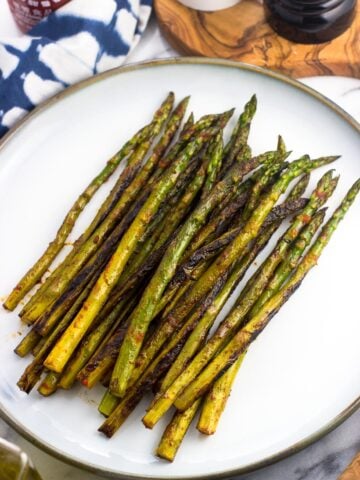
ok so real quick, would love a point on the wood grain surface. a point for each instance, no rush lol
(241, 33)
(353, 470)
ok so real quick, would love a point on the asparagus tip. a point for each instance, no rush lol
(185, 101)
(357, 184)
(253, 99)
(229, 113)
(321, 213)
(326, 160)
(249, 110)
(336, 179)
(355, 187)
(281, 144)
(305, 178)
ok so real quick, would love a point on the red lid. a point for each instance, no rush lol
(28, 13)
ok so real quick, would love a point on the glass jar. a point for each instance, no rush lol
(310, 21)
(15, 464)
(27, 13)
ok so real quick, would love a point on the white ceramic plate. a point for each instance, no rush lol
(300, 378)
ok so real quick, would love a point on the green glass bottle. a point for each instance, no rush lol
(15, 464)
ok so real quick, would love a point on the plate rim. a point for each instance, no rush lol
(73, 89)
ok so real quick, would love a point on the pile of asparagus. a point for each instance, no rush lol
(134, 303)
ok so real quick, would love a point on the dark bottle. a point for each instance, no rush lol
(310, 21)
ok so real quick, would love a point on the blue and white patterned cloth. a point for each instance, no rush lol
(82, 38)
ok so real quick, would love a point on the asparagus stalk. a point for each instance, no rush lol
(159, 248)
(300, 187)
(171, 321)
(35, 273)
(251, 291)
(38, 346)
(157, 368)
(152, 295)
(162, 333)
(290, 262)
(259, 321)
(27, 344)
(33, 372)
(49, 385)
(175, 432)
(211, 249)
(240, 135)
(96, 264)
(140, 181)
(157, 226)
(227, 257)
(183, 208)
(147, 373)
(134, 278)
(270, 172)
(154, 371)
(103, 360)
(202, 329)
(215, 401)
(216, 398)
(152, 374)
(216, 155)
(265, 159)
(93, 267)
(194, 264)
(224, 217)
(323, 191)
(61, 353)
(74, 261)
(128, 198)
(155, 231)
(108, 403)
(92, 342)
(133, 167)
(189, 122)
(235, 200)
(182, 276)
(146, 359)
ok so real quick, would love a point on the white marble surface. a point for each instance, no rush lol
(323, 460)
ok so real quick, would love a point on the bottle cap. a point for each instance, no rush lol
(209, 5)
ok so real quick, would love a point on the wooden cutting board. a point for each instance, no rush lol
(353, 470)
(242, 33)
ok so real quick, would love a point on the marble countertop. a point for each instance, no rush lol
(323, 460)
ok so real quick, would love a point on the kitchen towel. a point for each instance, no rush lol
(82, 38)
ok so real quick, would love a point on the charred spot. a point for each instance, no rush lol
(289, 207)
(106, 430)
(291, 290)
(321, 194)
(139, 337)
(172, 321)
(306, 218)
